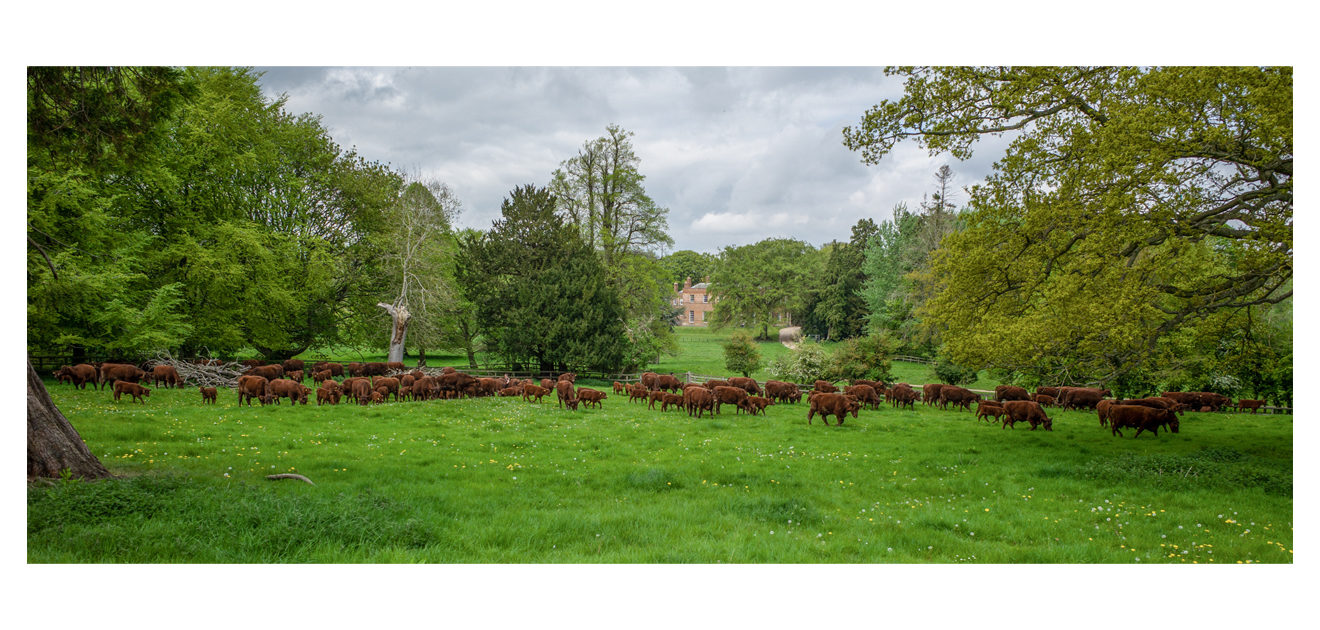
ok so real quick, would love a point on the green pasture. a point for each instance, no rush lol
(502, 481)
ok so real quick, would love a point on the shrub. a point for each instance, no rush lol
(863, 357)
(953, 374)
(804, 365)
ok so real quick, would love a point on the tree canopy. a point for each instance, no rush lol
(1131, 205)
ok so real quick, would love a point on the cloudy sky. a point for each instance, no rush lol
(736, 154)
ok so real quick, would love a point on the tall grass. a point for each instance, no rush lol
(500, 480)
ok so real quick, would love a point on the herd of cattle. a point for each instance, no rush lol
(366, 383)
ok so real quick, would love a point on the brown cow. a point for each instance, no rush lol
(650, 380)
(715, 382)
(296, 375)
(755, 404)
(1102, 410)
(564, 390)
(133, 389)
(991, 410)
(166, 374)
(534, 392)
(335, 369)
(832, 404)
(698, 399)
(361, 389)
(1081, 397)
(1052, 392)
(930, 393)
(825, 387)
(590, 396)
(327, 396)
(670, 383)
(637, 391)
(376, 368)
(1143, 418)
(1011, 392)
(394, 367)
(389, 383)
(510, 392)
(1247, 403)
(284, 388)
(80, 375)
(293, 365)
(618, 387)
(251, 362)
(1026, 411)
(378, 396)
(1156, 402)
(865, 394)
(454, 384)
(568, 376)
(747, 384)
(671, 400)
(904, 397)
(208, 395)
(321, 376)
(250, 387)
(959, 396)
(653, 398)
(1044, 400)
(114, 372)
(728, 394)
(268, 372)
(780, 391)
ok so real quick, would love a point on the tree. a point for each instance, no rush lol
(539, 289)
(741, 354)
(417, 245)
(685, 263)
(54, 446)
(865, 357)
(754, 283)
(836, 308)
(1132, 204)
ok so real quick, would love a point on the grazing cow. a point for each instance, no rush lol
(590, 396)
(293, 365)
(285, 388)
(296, 375)
(1026, 411)
(327, 396)
(930, 393)
(335, 369)
(1214, 401)
(715, 382)
(564, 390)
(670, 383)
(114, 372)
(347, 386)
(454, 384)
(321, 376)
(268, 372)
(79, 375)
(1044, 400)
(1156, 402)
(653, 398)
(637, 391)
(394, 367)
(825, 387)
(959, 396)
(699, 400)
(1081, 397)
(618, 387)
(1052, 392)
(510, 392)
(251, 363)
(1102, 410)
(166, 374)
(407, 380)
(727, 394)
(361, 389)
(250, 387)
(568, 376)
(650, 380)
(780, 391)
(133, 389)
(534, 392)
(671, 400)
(1143, 418)
(991, 410)
(390, 384)
(1010, 392)
(832, 404)
(904, 397)
(208, 395)
(748, 384)
(1247, 403)
(754, 404)
(865, 394)
(378, 396)
(375, 368)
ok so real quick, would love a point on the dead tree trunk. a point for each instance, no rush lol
(398, 330)
(53, 444)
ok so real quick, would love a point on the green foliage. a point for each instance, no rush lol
(1134, 205)
(864, 358)
(541, 295)
(803, 365)
(835, 307)
(755, 283)
(741, 354)
(685, 263)
(949, 372)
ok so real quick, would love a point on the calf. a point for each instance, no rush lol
(511, 391)
(780, 391)
(825, 387)
(534, 392)
(1010, 392)
(80, 375)
(208, 395)
(653, 398)
(989, 409)
(285, 388)
(637, 391)
(618, 387)
(1143, 418)
(669, 382)
(1247, 403)
(650, 380)
(322, 376)
(590, 396)
(295, 375)
(324, 395)
(904, 397)
(1044, 400)
(698, 399)
(930, 393)
(865, 394)
(671, 400)
(132, 389)
(959, 396)
(293, 365)
(755, 404)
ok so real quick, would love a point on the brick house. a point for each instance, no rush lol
(695, 301)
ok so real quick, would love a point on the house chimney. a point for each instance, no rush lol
(687, 283)
(677, 288)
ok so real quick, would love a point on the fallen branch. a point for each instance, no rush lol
(289, 476)
(212, 374)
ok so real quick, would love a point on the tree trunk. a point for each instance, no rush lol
(399, 329)
(53, 444)
(421, 357)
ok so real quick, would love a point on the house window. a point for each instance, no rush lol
(691, 317)
(692, 297)
(705, 297)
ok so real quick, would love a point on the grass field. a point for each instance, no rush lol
(503, 481)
